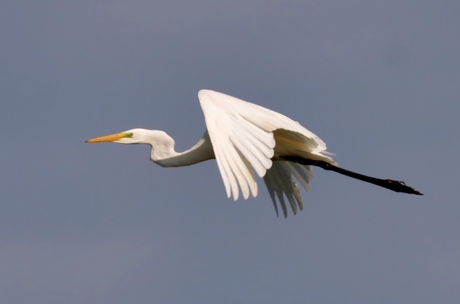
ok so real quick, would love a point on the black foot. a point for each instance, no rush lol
(400, 186)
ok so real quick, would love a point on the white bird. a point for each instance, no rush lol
(244, 137)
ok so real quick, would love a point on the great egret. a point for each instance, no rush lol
(244, 137)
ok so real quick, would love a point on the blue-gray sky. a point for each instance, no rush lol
(377, 80)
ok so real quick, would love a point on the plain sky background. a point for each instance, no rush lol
(379, 81)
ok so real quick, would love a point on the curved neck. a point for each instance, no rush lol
(166, 156)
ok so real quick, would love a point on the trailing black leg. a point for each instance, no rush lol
(398, 186)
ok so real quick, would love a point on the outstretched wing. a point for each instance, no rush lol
(242, 137)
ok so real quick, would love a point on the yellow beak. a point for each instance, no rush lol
(107, 138)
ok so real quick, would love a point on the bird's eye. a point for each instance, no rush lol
(129, 134)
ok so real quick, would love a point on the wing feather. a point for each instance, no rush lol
(272, 181)
(280, 181)
(224, 169)
(303, 174)
(255, 157)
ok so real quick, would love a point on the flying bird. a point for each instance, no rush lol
(247, 139)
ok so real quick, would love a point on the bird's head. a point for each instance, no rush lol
(133, 136)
